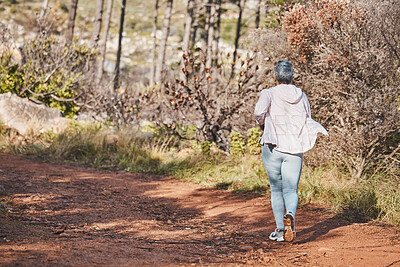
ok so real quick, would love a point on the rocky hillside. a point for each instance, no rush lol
(20, 17)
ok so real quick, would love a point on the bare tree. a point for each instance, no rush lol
(186, 35)
(163, 45)
(103, 43)
(210, 33)
(188, 26)
(195, 24)
(153, 52)
(241, 5)
(97, 22)
(119, 51)
(217, 35)
(258, 14)
(44, 7)
(210, 99)
(207, 19)
(71, 20)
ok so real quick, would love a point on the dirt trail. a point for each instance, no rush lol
(63, 215)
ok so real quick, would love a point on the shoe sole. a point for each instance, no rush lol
(277, 239)
(289, 233)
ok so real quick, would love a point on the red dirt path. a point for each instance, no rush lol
(64, 215)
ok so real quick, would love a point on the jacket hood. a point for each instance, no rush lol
(288, 93)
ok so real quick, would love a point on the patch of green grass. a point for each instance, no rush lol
(387, 195)
(100, 146)
(375, 197)
(236, 174)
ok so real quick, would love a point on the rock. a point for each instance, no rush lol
(107, 192)
(325, 249)
(29, 118)
(13, 51)
(2, 188)
(267, 259)
(246, 248)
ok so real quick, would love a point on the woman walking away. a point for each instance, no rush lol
(283, 112)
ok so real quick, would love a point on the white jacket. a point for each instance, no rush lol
(284, 111)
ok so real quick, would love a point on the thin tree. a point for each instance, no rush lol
(97, 22)
(163, 45)
(258, 14)
(210, 37)
(186, 36)
(71, 20)
(217, 34)
(195, 24)
(207, 21)
(103, 42)
(188, 26)
(153, 53)
(44, 8)
(119, 51)
(241, 5)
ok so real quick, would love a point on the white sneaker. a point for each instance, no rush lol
(277, 235)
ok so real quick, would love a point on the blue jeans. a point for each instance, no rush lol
(283, 172)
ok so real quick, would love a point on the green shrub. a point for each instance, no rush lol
(13, 10)
(237, 146)
(53, 73)
(205, 147)
(11, 76)
(253, 146)
(387, 193)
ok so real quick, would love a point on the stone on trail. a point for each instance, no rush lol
(246, 248)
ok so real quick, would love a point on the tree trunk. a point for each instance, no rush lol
(119, 51)
(44, 8)
(217, 34)
(97, 23)
(163, 46)
(154, 54)
(188, 26)
(195, 23)
(210, 37)
(186, 37)
(238, 26)
(207, 22)
(258, 12)
(71, 20)
(103, 43)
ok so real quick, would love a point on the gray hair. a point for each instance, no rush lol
(284, 71)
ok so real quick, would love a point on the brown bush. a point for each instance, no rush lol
(210, 98)
(347, 56)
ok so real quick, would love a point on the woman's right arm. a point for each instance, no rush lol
(307, 106)
(262, 107)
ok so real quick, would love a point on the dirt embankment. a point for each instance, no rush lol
(63, 215)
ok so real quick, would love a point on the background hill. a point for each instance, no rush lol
(20, 17)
